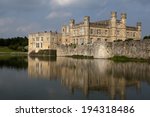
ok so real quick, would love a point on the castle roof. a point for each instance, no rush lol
(102, 24)
(131, 28)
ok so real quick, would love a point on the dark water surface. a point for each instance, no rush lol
(26, 78)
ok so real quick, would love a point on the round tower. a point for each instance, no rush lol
(113, 14)
(139, 28)
(123, 25)
(123, 18)
(139, 25)
(72, 22)
(86, 20)
(113, 25)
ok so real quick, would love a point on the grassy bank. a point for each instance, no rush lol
(127, 59)
(8, 51)
(81, 57)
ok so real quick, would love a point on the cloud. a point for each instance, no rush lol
(26, 28)
(8, 6)
(63, 2)
(22, 16)
(6, 21)
(58, 14)
(77, 3)
(143, 2)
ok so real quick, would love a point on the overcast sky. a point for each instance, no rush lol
(20, 17)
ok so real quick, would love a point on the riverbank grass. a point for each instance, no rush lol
(6, 49)
(127, 59)
(80, 57)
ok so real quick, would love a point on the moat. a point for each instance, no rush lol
(62, 78)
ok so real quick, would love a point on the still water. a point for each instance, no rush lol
(25, 78)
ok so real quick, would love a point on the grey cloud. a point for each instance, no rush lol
(21, 5)
(143, 1)
(51, 14)
(77, 3)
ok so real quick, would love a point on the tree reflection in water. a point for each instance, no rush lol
(17, 62)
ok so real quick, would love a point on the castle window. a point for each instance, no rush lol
(53, 39)
(91, 31)
(41, 38)
(82, 31)
(106, 32)
(41, 45)
(37, 38)
(98, 39)
(91, 40)
(134, 34)
(127, 33)
(37, 45)
(76, 41)
(95, 31)
(33, 39)
(98, 31)
(81, 41)
(118, 32)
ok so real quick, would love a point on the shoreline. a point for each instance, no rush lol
(114, 58)
(14, 53)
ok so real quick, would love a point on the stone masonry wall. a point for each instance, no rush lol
(102, 49)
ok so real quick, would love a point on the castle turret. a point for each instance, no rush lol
(113, 25)
(87, 28)
(86, 20)
(70, 30)
(139, 27)
(123, 25)
(72, 23)
(123, 18)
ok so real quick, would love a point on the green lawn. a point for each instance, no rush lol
(6, 49)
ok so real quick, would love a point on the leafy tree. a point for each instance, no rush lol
(147, 37)
(15, 43)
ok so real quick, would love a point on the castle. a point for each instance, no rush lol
(86, 32)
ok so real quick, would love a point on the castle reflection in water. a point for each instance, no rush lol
(108, 77)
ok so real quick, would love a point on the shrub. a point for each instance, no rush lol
(147, 37)
(129, 39)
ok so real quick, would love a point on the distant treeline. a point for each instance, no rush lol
(16, 43)
(146, 37)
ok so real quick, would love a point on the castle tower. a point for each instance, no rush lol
(72, 23)
(139, 27)
(87, 28)
(123, 26)
(86, 20)
(113, 25)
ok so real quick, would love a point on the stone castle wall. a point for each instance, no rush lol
(102, 49)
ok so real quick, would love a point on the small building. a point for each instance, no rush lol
(88, 32)
(43, 41)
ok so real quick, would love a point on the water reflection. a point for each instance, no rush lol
(103, 76)
(17, 62)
